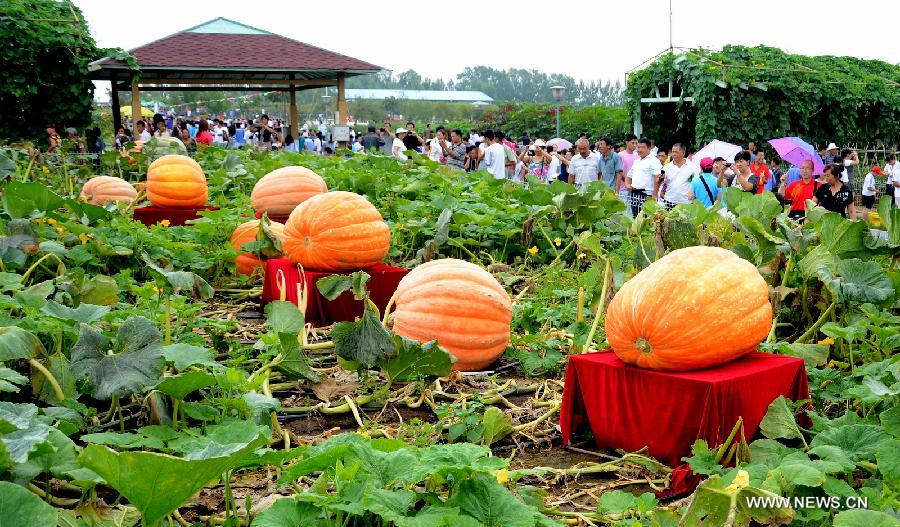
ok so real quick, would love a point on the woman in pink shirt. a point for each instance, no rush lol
(204, 137)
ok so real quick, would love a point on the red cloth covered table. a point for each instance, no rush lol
(630, 408)
(152, 215)
(319, 311)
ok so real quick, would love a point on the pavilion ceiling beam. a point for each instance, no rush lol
(231, 81)
(226, 88)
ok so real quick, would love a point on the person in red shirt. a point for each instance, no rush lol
(204, 136)
(760, 169)
(799, 191)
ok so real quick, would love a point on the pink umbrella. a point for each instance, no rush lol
(795, 151)
(560, 144)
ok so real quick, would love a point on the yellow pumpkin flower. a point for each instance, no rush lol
(155, 290)
(51, 221)
(46, 170)
(740, 481)
(533, 250)
(84, 238)
(581, 256)
(165, 223)
(364, 434)
(60, 230)
(557, 241)
(502, 476)
(826, 341)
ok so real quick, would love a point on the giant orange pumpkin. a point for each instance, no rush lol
(101, 190)
(280, 191)
(336, 231)
(693, 308)
(247, 262)
(176, 181)
(458, 304)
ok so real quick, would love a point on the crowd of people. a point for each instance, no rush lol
(637, 169)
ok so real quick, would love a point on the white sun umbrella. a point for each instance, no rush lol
(717, 148)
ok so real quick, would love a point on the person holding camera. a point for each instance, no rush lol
(455, 152)
(537, 159)
(412, 140)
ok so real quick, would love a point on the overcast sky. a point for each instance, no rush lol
(589, 40)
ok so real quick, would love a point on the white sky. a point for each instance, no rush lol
(589, 40)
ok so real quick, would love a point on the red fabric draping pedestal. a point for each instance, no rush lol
(630, 408)
(319, 311)
(279, 219)
(152, 215)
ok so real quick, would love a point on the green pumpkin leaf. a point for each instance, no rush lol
(864, 518)
(890, 420)
(616, 502)
(84, 313)
(284, 317)
(365, 341)
(779, 421)
(415, 361)
(10, 380)
(496, 425)
(156, 484)
(858, 441)
(180, 385)
(858, 281)
(288, 512)
(183, 356)
(888, 456)
(22, 507)
(134, 363)
(490, 503)
(17, 343)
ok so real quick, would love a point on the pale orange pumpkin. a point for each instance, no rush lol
(694, 308)
(458, 304)
(101, 190)
(247, 263)
(176, 181)
(280, 191)
(336, 231)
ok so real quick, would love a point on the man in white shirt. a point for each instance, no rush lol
(678, 176)
(585, 165)
(474, 137)
(142, 133)
(641, 180)
(397, 147)
(892, 169)
(494, 155)
(868, 187)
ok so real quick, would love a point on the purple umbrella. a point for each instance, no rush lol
(795, 151)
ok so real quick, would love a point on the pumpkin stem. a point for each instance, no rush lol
(643, 345)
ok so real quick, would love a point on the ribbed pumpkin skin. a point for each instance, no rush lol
(101, 190)
(176, 181)
(336, 231)
(280, 191)
(693, 308)
(458, 304)
(246, 263)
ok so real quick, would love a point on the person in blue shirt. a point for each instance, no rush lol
(792, 175)
(705, 187)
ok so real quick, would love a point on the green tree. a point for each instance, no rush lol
(45, 56)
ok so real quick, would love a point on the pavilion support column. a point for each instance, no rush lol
(114, 99)
(341, 100)
(135, 108)
(295, 127)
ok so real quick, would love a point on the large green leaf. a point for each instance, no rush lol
(858, 281)
(365, 341)
(132, 364)
(858, 441)
(415, 361)
(334, 285)
(84, 313)
(294, 362)
(864, 518)
(157, 483)
(284, 317)
(779, 421)
(17, 343)
(714, 504)
(888, 456)
(290, 512)
(180, 385)
(890, 215)
(490, 503)
(840, 236)
(182, 356)
(26, 200)
(10, 380)
(20, 507)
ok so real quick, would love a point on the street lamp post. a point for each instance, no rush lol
(325, 99)
(557, 94)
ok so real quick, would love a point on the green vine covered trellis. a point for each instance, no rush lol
(743, 93)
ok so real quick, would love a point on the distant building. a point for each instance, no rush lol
(420, 95)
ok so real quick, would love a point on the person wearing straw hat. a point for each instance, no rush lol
(831, 153)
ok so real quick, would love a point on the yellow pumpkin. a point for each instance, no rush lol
(458, 304)
(336, 231)
(693, 308)
(101, 190)
(280, 191)
(176, 181)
